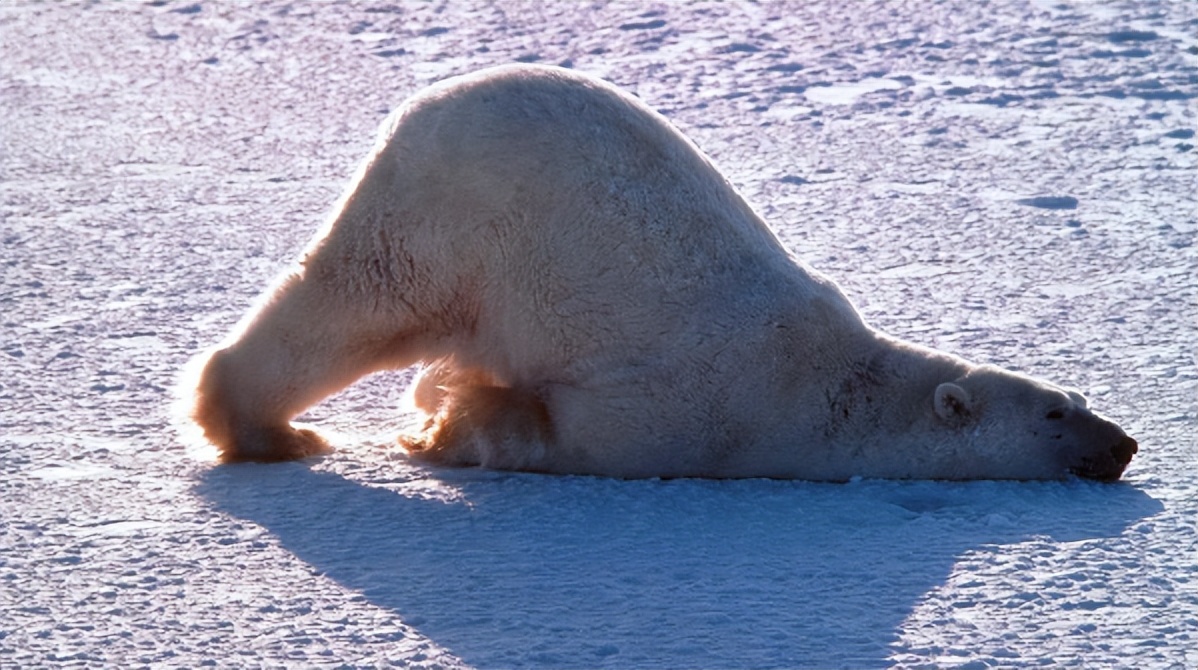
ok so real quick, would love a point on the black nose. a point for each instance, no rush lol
(1124, 450)
(1108, 466)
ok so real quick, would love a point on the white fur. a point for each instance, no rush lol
(594, 297)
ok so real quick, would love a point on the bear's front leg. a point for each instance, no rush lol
(492, 426)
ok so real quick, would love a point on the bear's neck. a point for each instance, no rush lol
(890, 387)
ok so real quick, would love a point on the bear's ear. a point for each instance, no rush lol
(1077, 397)
(953, 404)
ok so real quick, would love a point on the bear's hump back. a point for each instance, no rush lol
(541, 155)
(547, 123)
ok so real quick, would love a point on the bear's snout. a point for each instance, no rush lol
(1108, 466)
(1123, 451)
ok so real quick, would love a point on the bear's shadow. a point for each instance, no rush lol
(514, 570)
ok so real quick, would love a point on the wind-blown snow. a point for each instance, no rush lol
(1012, 182)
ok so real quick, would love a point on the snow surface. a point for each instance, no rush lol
(1014, 182)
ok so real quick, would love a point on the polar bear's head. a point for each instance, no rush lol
(1022, 428)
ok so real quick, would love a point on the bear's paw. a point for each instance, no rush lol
(272, 445)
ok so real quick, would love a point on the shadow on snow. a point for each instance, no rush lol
(529, 570)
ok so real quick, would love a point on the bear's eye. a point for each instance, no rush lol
(1055, 414)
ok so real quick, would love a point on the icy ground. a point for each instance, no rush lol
(1014, 182)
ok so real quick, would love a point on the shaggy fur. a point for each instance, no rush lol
(592, 296)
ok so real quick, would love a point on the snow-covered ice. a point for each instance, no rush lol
(1013, 182)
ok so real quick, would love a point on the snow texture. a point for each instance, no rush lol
(1013, 182)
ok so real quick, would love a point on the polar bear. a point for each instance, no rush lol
(589, 295)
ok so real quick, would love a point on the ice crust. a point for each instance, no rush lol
(1012, 182)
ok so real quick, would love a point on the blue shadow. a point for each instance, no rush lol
(540, 571)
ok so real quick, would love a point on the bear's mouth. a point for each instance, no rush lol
(1107, 466)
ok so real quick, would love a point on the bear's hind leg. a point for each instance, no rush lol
(304, 344)
(237, 424)
(491, 426)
